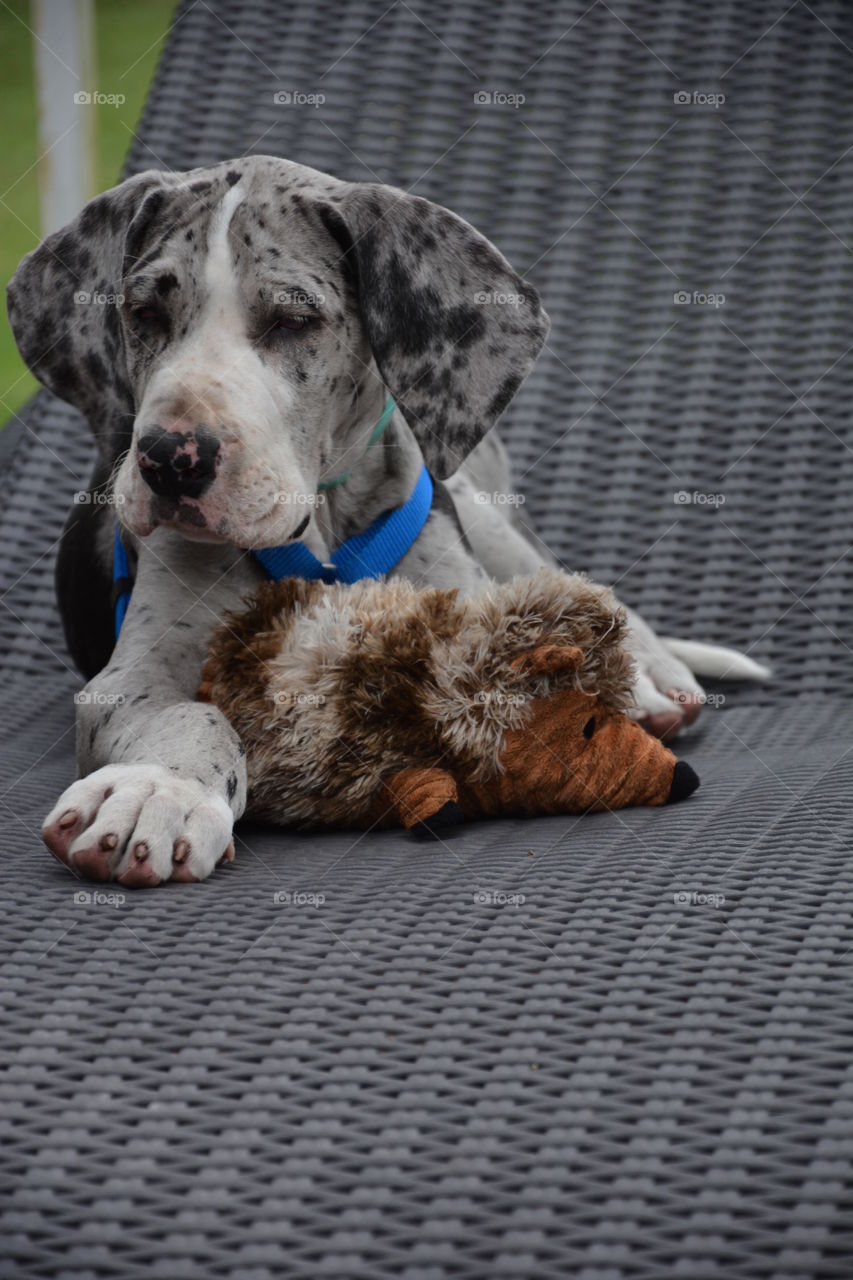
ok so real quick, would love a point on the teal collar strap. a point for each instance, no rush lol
(375, 435)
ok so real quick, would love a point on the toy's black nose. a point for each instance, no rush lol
(178, 464)
(684, 782)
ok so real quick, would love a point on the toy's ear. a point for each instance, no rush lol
(549, 659)
(453, 329)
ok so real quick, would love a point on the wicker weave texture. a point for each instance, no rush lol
(642, 1068)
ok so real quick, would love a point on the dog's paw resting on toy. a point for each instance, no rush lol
(381, 704)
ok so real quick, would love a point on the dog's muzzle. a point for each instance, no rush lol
(178, 464)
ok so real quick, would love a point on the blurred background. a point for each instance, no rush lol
(126, 40)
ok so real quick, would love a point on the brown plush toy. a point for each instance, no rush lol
(382, 704)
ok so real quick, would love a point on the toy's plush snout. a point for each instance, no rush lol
(576, 753)
(594, 757)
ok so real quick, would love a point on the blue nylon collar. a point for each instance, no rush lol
(122, 580)
(366, 555)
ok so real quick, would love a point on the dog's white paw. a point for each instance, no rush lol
(140, 825)
(667, 696)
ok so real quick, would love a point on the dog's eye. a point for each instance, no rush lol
(290, 324)
(589, 727)
(147, 316)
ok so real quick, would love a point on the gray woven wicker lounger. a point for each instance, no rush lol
(645, 1068)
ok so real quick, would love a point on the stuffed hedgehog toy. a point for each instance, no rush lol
(381, 704)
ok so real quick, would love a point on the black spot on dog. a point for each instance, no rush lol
(231, 785)
(143, 225)
(96, 367)
(504, 394)
(66, 378)
(232, 176)
(94, 216)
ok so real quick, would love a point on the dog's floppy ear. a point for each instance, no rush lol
(63, 306)
(453, 329)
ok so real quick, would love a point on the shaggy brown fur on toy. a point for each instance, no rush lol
(383, 704)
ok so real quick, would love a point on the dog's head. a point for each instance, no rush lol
(230, 334)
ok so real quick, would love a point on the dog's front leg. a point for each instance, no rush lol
(162, 777)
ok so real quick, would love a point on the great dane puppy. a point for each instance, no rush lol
(232, 335)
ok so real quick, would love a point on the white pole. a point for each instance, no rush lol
(64, 64)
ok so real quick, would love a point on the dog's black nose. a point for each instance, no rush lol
(684, 782)
(178, 464)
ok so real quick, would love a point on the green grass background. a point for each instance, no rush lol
(125, 30)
